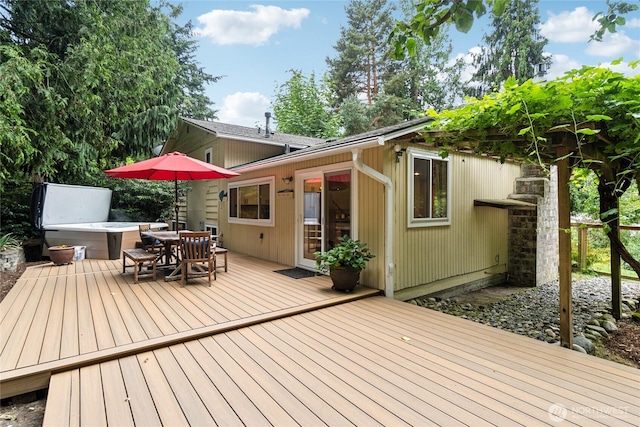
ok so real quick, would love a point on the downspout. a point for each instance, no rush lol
(388, 215)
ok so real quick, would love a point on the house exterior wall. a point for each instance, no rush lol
(473, 248)
(371, 203)
(202, 206)
(278, 242)
(240, 152)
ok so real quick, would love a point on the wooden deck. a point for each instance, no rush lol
(58, 318)
(248, 351)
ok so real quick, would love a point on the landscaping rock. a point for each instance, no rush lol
(584, 343)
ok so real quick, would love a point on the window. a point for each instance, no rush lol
(251, 202)
(208, 155)
(429, 189)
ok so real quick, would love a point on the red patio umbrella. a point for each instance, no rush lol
(173, 166)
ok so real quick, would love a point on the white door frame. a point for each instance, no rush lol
(300, 176)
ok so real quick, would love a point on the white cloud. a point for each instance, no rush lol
(569, 27)
(633, 23)
(244, 109)
(623, 68)
(469, 69)
(560, 64)
(229, 27)
(614, 45)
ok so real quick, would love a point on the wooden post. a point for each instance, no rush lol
(564, 243)
(583, 246)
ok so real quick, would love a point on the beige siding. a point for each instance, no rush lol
(476, 240)
(371, 202)
(473, 246)
(203, 205)
(278, 243)
(241, 152)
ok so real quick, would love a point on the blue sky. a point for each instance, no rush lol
(254, 44)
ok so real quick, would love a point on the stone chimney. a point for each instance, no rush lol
(533, 233)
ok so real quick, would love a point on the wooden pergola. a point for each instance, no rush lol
(562, 152)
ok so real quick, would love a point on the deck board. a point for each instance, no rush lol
(53, 334)
(340, 366)
(139, 397)
(69, 343)
(484, 341)
(118, 411)
(259, 348)
(58, 316)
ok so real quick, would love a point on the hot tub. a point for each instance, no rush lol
(103, 240)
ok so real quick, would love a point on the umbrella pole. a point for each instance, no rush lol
(177, 204)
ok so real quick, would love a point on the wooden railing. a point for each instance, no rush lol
(582, 230)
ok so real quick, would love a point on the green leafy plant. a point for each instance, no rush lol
(8, 242)
(348, 253)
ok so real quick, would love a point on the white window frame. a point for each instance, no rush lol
(413, 154)
(272, 202)
(208, 153)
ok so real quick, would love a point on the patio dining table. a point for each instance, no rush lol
(170, 239)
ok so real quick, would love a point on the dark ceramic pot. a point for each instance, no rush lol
(61, 256)
(344, 278)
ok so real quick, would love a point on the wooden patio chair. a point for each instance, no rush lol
(198, 255)
(150, 244)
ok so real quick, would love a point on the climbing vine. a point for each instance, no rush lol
(593, 110)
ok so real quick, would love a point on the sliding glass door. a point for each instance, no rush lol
(323, 212)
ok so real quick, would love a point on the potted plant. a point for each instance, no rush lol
(11, 252)
(61, 254)
(344, 262)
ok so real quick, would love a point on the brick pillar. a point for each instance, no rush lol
(533, 233)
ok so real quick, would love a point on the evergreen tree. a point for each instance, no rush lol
(302, 108)
(513, 49)
(429, 78)
(89, 83)
(363, 59)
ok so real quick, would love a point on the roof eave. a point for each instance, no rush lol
(315, 154)
(263, 140)
(369, 142)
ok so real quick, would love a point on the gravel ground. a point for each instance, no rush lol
(534, 311)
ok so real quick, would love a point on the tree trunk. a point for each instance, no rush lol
(608, 202)
(610, 216)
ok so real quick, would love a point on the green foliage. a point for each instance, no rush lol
(430, 15)
(139, 199)
(363, 59)
(593, 110)
(513, 48)
(15, 210)
(390, 91)
(302, 108)
(9, 242)
(583, 190)
(612, 18)
(348, 253)
(27, 96)
(86, 83)
(355, 116)
(530, 112)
